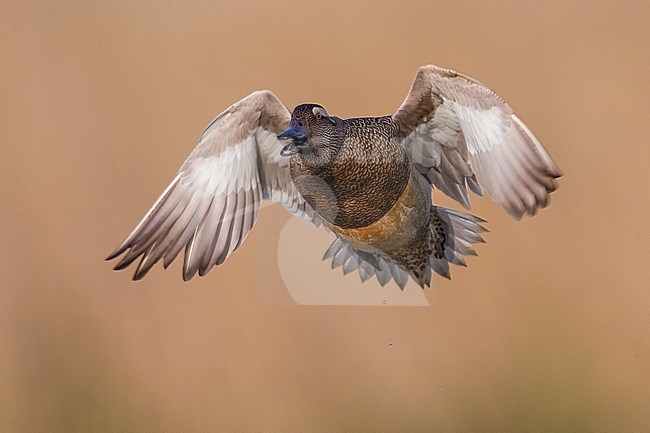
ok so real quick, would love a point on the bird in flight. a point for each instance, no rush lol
(367, 180)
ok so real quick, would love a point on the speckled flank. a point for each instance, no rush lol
(438, 238)
(414, 257)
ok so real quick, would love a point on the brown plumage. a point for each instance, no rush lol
(368, 180)
(363, 177)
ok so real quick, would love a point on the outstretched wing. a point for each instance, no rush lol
(213, 202)
(459, 133)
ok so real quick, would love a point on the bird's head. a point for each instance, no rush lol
(311, 127)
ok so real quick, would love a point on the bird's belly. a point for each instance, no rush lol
(397, 227)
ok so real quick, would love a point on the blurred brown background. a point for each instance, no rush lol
(547, 331)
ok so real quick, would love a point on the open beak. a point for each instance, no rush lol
(298, 141)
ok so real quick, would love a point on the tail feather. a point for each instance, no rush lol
(365, 273)
(441, 266)
(457, 231)
(368, 264)
(400, 277)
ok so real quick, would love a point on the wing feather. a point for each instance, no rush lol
(213, 202)
(459, 133)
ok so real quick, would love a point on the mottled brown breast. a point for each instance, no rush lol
(397, 227)
(365, 179)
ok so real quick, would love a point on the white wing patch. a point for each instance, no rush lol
(232, 170)
(483, 129)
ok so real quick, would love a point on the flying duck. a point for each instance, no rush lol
(368, 180)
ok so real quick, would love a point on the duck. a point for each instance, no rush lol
(367, 180)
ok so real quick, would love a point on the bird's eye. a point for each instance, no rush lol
(318, 116)
(300, 123)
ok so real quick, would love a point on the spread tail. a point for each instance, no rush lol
(448, 241)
